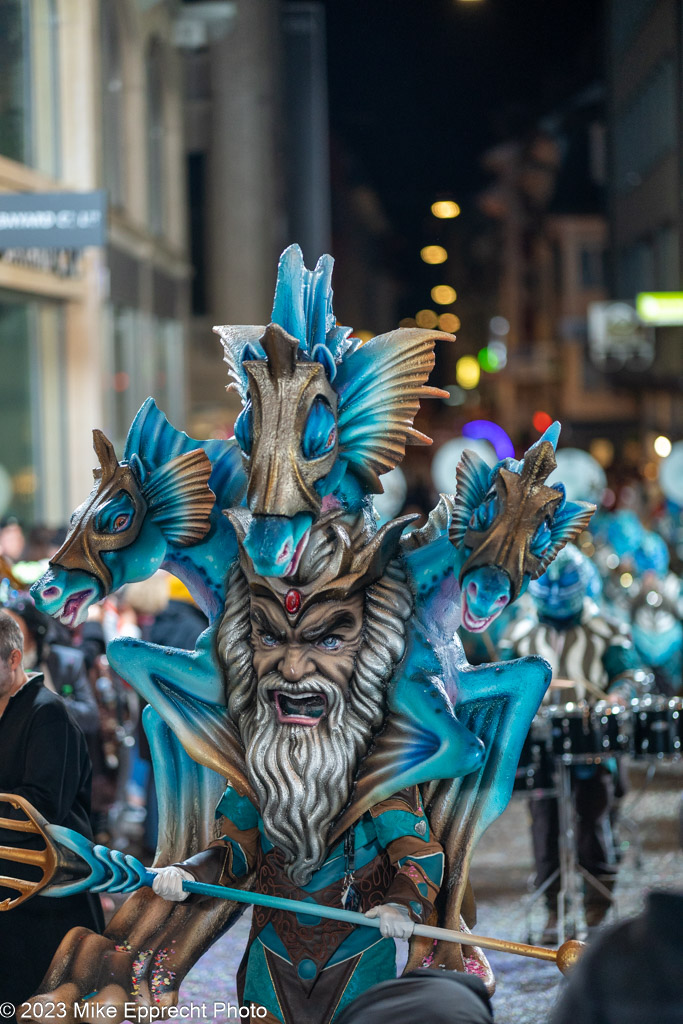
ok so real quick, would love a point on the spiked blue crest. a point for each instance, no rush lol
(552, 434)
(303, 307)
(303, 304)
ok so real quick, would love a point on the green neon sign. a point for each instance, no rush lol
(663, 308)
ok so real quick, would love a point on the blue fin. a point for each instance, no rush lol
(153, 438)
(380, 385)
(472, 483)
(179, 497)
(568, 522)
(155, 441)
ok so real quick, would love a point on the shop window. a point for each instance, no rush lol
(144, 357)
(197, 191)
(645, 130)
(592, 267)
(112, 103)
(626, 17)
(666, 242)
(29, 84)
(33, 462)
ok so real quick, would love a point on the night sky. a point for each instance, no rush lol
(419, 89)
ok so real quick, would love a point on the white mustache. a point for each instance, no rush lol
(313, 685)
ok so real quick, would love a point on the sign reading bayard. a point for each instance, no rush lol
(52, 220)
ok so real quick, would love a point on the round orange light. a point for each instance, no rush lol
(443, 294)
(433, 254)
(449, 322)
(426, 318)
(445, 209)
(541, 421)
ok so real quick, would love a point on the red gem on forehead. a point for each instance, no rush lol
(292, 601)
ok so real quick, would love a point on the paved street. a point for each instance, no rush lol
(526, 989)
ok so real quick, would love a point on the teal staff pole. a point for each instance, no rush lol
(565, 957)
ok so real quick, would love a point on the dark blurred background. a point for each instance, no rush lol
(509, 172)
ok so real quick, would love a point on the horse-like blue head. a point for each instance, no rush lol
(510, 525)
(121, 532)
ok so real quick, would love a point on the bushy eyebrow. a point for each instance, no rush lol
(264, 623)
(340, 620)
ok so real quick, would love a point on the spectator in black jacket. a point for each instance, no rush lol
(181, 622)
(62, 667)
(43, 758)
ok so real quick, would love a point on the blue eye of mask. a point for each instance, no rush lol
(541, 539)
(485, 514)
(320, 432)
(116, 515)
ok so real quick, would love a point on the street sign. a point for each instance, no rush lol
(52, 220)
(660, 308)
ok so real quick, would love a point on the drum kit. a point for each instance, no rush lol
(578, 733)
(563, 736)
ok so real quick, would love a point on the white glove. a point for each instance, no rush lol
(394, 921)
(168, 882)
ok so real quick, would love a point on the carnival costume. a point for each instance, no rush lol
(323, 417)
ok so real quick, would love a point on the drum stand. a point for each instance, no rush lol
(569, 896)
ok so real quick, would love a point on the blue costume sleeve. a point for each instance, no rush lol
(403, 830)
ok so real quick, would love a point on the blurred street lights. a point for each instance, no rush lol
(662, 446)
(445, 209)
(443, 294)
(433, 254)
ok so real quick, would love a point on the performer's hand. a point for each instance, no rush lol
(169, 882)
(394, 920)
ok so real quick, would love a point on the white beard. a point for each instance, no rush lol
(302, 775)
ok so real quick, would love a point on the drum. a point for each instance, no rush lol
(535, 769)
(584, 734)
(657, 726)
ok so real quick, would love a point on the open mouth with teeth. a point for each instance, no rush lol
(73, 607)
(302, 709)
(473, 623)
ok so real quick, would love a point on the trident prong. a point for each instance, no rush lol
(46, 859)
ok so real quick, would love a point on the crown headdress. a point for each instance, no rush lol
(340, 559)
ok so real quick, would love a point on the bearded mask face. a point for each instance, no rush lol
(307, 691)
(303, 730)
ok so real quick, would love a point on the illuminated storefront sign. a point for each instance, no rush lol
(660, 308)
(52, 220)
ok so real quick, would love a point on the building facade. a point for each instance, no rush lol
(548, 199)
(645, 132)
(90, 98)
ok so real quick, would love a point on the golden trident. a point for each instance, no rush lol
(46, 859)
